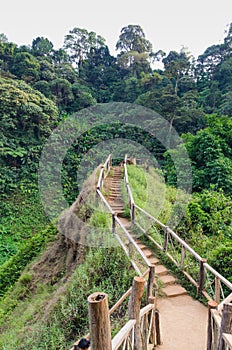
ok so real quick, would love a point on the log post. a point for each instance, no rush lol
(99, 322)
(165, 248)
(150, 282)
(217, 290)
(133, 213)
(226, 324)
(157, 328)
(152, 321)
(201, 276)
(182, 257)
(134, 309)
(211, 305)
(113, 224)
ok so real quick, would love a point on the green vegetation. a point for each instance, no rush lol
(108, 270)
(207, 224)
(39, 88)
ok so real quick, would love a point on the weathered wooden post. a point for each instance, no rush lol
(201, 276)
(182, 257)
(150, 282)
(133, 213)
(211, 305)
(99, 322)
(134, 308)
(151, 319)
(226, 324)
(157, 328)
(113, 224)
(217, 290)
(165, 247)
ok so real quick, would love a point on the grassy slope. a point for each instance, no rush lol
(38, 313)
(207, 223)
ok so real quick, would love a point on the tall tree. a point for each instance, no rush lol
(135, 50)
(132, 38)
(177, 66)
(79, 42)
(42, 46)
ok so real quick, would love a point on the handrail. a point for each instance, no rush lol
(105, 168)
(123, 334)
(216, 274)
(227, 338)
(105, 201)
(133, 242)
(203, 266)
(150, 216)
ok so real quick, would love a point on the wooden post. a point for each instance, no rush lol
(152, 321)
(182, 257)
(201, 276)
(226, 324)
(99, 322)
(211, 305)
(134, 309)
(130, 250)
(113, 224)
(133, 213)
(165, 248)
(217, 290)
(150, 282)
(157, 328)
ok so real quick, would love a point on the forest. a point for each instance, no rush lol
(41, 86)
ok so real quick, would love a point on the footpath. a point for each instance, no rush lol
(183, 319)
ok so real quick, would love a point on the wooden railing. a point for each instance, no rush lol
(142, 328)
(138, 258)
(104, 171)
(219, 327)
(203, 276)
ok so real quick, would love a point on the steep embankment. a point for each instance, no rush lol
(47, 307)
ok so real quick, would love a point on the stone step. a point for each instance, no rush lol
(147, 252)
(161, 270)
(141, 245)
(174, 291)
(153, 260)
(167, 279)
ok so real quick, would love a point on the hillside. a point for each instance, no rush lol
(91, 103)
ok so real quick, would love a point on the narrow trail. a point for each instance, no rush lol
(183, 319)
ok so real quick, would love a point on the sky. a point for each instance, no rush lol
(168, 25)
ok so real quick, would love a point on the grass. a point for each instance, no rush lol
(22, 216)
(107, 270)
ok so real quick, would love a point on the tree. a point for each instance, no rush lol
(101, 71)
(7, 51)
(62, 89)
(135, 50)
(176, 67)
(3, 38)
(26, 67)
(132, 38)
(79, 42)
(42, 46)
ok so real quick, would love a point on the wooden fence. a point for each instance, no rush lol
(219, 327)
(204, 277)
(142, 328)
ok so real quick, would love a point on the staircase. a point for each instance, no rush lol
(170, 288)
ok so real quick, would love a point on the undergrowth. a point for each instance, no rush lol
(107, 270)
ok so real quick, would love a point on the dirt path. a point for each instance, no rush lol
(183, 323)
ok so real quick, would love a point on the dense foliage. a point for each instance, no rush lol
(41, 86)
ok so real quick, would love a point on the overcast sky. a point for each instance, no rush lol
(168, 24)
